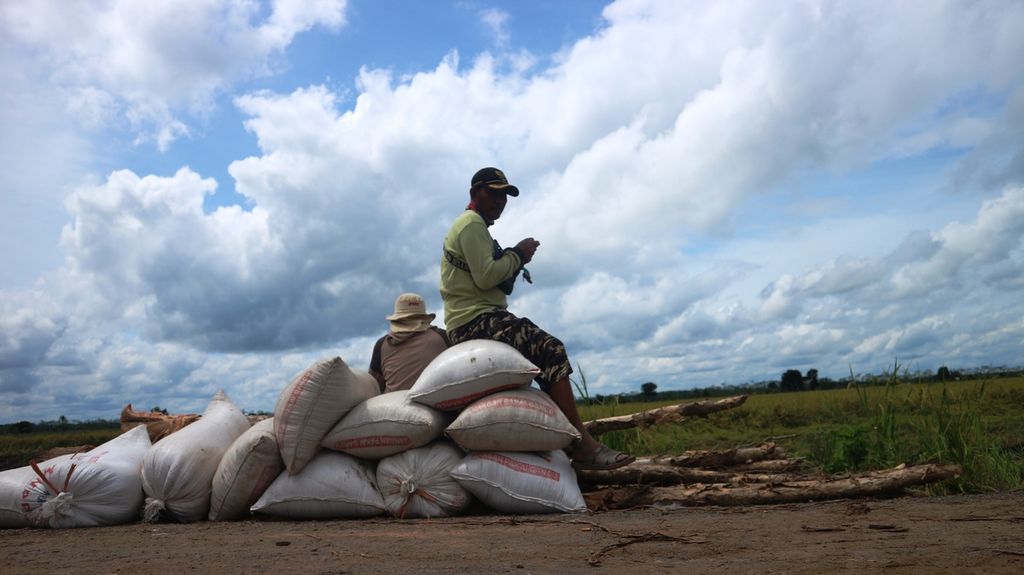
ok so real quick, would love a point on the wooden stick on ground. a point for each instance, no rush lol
(667, 414)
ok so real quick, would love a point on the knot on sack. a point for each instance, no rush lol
(153, 510)
(53, 509)
(408, 486)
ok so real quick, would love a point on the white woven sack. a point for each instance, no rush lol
(100, 487)
(470, 370)
(333, 485)
(250, 465)
(385, 425)
(14, 484)
(177, 472)
(517, 420)
(418, 482)
(521, 483)
(312, 403)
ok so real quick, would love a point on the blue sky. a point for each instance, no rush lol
(213, 195)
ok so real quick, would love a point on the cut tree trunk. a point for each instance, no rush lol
(720, 459)
(667, 414)
(871, 484)
(770, 466)
(157, 424)
(641, 472)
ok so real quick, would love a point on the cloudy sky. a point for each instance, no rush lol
(214, 193)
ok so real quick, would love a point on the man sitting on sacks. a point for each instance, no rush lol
(410, 344)
(477, 276)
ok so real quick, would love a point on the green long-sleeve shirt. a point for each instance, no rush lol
(469, 273)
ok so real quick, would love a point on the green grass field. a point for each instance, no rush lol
(978, 424)
(16, 449)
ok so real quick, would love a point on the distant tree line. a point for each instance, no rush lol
(60, 424)
(794, 380)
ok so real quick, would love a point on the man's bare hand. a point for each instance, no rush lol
(527, 247)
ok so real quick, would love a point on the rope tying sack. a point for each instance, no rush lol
(60, 502)
(50, 486)
(408, 486)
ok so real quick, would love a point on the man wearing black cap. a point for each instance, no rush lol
(477, 276)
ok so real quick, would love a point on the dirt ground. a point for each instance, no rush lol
(934, 535)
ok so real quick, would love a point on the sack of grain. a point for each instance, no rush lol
(100, 487)
(312, 403)
(177, 472)
(384, 425)
(251, 464)
(516, 420)
(14, 489)
(418, 482)
(521, 483)
(470, 370)
(333, 485)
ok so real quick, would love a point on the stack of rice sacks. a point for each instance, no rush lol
(313, 483)
(402, 439)
(334, 449)
(514, 434)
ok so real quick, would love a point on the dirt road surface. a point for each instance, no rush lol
(909, 535)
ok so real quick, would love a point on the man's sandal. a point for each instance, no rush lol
(602, 459)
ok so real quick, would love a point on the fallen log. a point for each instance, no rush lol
(158, 425)
(644, 472)
(770, 466)
(870, 484)
(667, 414)
(719, 459)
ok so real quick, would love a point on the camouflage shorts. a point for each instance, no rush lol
(544, 350)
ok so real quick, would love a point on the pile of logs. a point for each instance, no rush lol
(760, 474)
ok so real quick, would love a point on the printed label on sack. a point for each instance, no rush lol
(521, 467)
(373, 441)
(293, 398)
(37, 491)
(526, 403)
(467, 399)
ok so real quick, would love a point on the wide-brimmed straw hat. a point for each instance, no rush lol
(410, 306)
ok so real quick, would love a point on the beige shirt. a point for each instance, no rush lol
(400, 357)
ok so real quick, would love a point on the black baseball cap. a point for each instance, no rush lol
(494, 179)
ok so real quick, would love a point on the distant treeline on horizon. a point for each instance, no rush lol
(793, 380)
